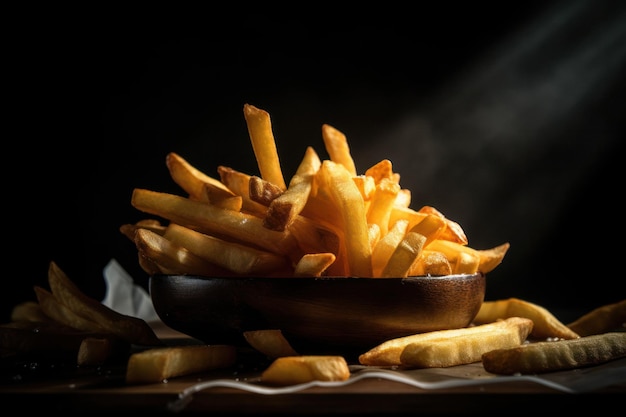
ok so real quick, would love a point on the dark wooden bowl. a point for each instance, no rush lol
(316, 315)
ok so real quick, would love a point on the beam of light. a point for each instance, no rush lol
(491, 143)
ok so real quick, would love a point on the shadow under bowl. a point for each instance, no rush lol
(328, 315)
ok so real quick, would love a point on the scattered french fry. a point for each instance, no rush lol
(601, 320)
(546, 325)
(288, 370)
(159, 364)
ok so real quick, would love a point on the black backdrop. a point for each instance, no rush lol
(508, 118)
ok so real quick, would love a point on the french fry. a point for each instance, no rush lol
(349, 202)
(546, 325)
(560, 355)
(270, 343)
(289, 370)
(601, 320)
(194, 181)
(381, 202)
(336, 145)
(153, 225)
(263, 192)
(62, 314)
(284, 208)
(404, 255)
(430, 263)
(464, 349)
(172, 257)
(389, 353)
(29, 311)
(264, 145)
(159, 364)
(132, 329)
(385, 246)
(453, 231)
(205, 218)
(382, 169)
(488, 258)
(466, 263)
(238, 258)
(313, 264)
(239, 183)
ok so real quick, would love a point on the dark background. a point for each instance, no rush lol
(508, 117)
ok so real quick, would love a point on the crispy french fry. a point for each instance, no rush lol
(313, 264)
(264, 145)
(269, 342)
(214, 221)
(430, 227)
(389, 352)
(239, 183)
(194, 181)
(132, 329)
(284, 208)
(173, 257)
(560, 355)
(430, 263)
(349, 202)
(159, 364)
(488, 258)
(601, 320)
(336, 145)
(238, 258)
(466, 263)
(288, 370)
(404, 256)
(464, 349)
(153, 225)
(382, 169)
(403, 199)
(453, 231)
(383, 250)
(546, 325)
(381, 202)
(366, 186)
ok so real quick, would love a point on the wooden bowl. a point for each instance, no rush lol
(316, 315)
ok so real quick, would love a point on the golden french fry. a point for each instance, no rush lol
(283, 209)
(559, 355)
(403, 199)
(153, 225)
(601, 320)
(381, 202)
(382, 169)
(214, 221)
(464, 349)
(389, 352)
(239, 183)
(453, 231)
(366, 186)
(336, 145)
(546, 325)
(173, 257)
(132, 329)
(313, 264)
(289, 370)
(238, 258)
(343, 192)
(466, 263)
(194, 181)
(430, 263)
(385, 246)
(158, 364)
(430, 227)
(404, 256)
(264, 145)
(488, 258)
(269, 342)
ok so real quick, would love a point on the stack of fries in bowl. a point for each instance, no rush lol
(332, 257)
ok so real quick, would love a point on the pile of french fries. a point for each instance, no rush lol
(327, 220)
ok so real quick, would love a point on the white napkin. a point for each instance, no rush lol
(124, 296)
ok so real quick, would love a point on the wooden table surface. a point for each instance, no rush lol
(103, 390)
